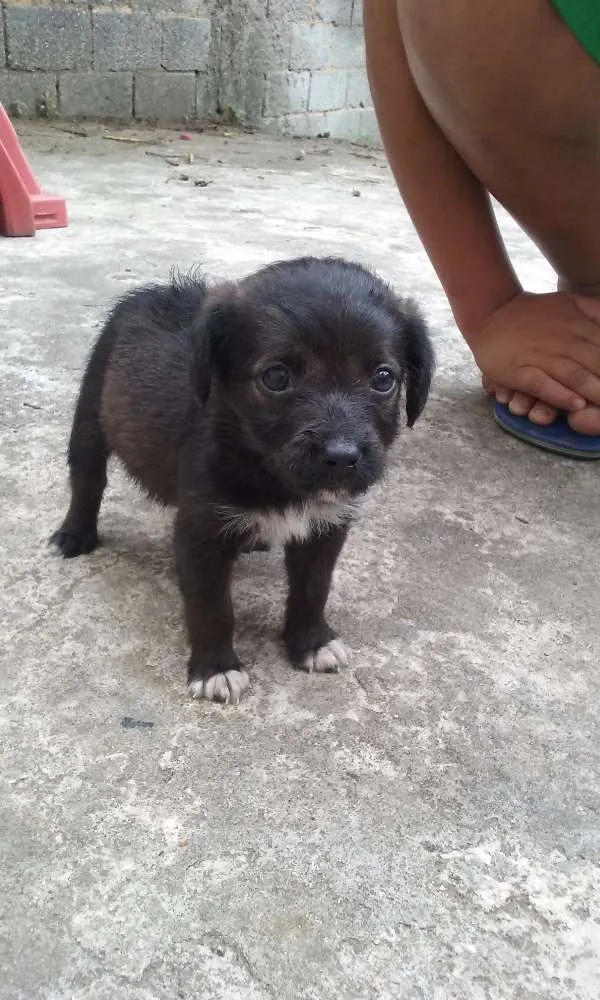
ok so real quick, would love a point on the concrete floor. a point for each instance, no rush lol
(424, 825)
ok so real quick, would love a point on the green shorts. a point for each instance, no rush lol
(583, 18)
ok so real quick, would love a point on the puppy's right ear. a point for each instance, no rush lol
(211, 338)
(420, 363)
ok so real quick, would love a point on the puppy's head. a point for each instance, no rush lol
(308, 361)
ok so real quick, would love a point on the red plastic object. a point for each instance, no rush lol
(23, 207)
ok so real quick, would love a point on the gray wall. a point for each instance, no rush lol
(294, 66)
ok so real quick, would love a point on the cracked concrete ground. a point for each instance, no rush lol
(423, 825)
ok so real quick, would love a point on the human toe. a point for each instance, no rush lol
(542, 414)
(586, 421)
(520, 404)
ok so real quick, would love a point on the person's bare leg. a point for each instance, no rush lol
(517, 96)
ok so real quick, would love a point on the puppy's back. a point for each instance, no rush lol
(146, 396)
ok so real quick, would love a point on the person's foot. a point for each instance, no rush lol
(550, 345)
(586, 421)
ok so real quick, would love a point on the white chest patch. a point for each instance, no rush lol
(294, 523)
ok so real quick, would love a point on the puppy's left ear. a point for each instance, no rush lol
(419, 361)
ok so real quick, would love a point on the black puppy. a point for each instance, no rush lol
(262, 410)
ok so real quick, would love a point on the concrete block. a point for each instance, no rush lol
(286, 93)
(344, 124)
(185, 43)
(348, 49)
(253, 98)
(242, 56)
(276, 44)
(359, 94)
(206, 96)
(96, 95)
(311, 46)
(327, 90)
(357, 12)
(258, 58)
(164, 8)
(168, 97)
(42, 38)
(126, 41)
(28, 94)
(323, 46)
(309, 124)
(368, 128)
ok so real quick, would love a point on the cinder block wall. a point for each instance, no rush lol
(294, 66)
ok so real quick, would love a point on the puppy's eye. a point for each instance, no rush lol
(383, 380)
(277, 378)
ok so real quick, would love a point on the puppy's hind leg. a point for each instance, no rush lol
(88, 455)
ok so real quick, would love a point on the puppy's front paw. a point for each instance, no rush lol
(327, 659)
(316, 650)
(218, 678)
(227, 688)
(71, 542)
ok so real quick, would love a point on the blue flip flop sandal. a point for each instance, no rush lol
(557, 437)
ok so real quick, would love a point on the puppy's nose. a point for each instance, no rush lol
(341, 454)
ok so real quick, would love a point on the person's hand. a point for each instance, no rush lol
(540, 354)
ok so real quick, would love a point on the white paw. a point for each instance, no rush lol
(328, 659)
(227, 688)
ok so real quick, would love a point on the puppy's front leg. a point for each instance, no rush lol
(204, 566)
(310, 642)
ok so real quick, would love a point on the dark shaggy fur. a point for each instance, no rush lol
(261, 409)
